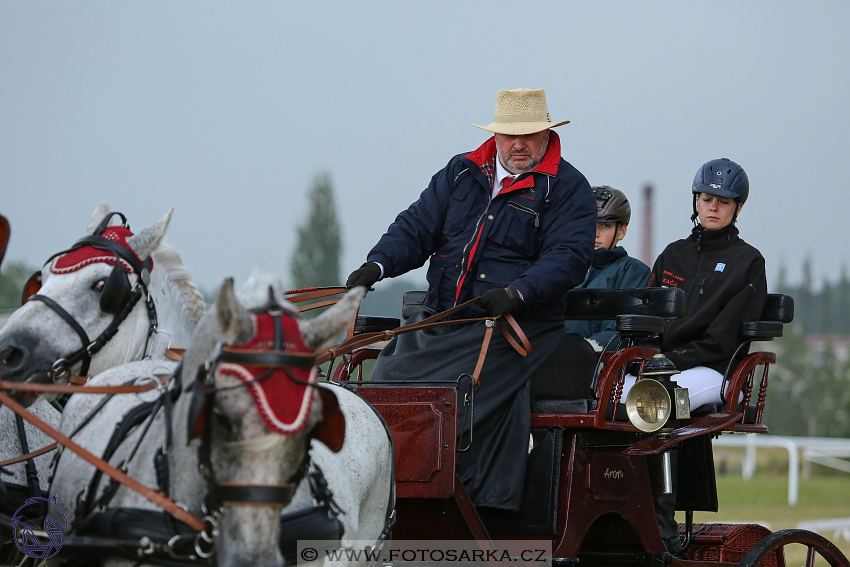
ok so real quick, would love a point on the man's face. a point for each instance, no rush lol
(520, 154)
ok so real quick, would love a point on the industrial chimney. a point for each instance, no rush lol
(646, 253)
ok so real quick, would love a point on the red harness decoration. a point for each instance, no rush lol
(283, 403)
(85, 255)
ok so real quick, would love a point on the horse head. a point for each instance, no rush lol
(256, 379)
(95, 309)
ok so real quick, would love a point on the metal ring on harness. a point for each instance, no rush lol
(158, 388)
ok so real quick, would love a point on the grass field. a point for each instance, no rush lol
(764, 499)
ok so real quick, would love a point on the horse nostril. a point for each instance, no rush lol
(11, 356)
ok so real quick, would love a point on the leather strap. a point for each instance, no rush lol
(314, 293)
(29, 456)
(256, 494)
(523, 346)
(84, 338)
(318, 304)
(267, 359)
(77, 380)
(488, 334)
(523, 350)
(175, 354)
(61, 389)
(157, 498)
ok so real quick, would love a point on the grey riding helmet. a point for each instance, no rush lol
(611, 205)
(722, 177)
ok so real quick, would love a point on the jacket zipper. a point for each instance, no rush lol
(475, 234)
(527, 210)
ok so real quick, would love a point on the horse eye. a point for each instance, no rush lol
(98, 286)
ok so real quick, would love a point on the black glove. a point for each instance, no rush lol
(501, 300)
(365, 275)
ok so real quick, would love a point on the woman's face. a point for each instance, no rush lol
(715, 212)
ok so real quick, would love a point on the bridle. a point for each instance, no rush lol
(117, 298)
(220, 494)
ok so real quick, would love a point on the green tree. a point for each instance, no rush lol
(804, 299)
(843, 291)
(12, 280)
(318, 248)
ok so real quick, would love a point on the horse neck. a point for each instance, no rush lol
(179, 304)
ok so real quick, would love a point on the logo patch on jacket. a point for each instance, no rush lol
(719, 267)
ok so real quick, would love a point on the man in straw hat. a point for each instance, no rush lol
(513, 223)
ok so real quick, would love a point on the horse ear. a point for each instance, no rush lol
(331, 428)
(332, 322)
(235, 321)
(99, 213)
(147, 239)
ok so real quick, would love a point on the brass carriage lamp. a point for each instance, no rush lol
(648, 406)
(651, 400)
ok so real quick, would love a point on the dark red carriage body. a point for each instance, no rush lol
(592, 495)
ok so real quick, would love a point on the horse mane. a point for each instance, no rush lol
(180, 284)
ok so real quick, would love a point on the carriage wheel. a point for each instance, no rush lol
(771, 550)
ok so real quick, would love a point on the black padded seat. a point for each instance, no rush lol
(374, 324)
(588, 304)
(640, 325)
(778, 307)
(762, 329)
(411, 303)
(561, 406)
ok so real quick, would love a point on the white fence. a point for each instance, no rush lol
(826, 451)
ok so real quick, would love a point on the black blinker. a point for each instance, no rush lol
(116, 290)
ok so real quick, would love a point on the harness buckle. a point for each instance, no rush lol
(212, 526)
(169, 548)
(145, 546)
(59, 369)
(90, 350)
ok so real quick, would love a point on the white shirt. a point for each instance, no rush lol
(501, 173)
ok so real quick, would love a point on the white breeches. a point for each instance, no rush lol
(703, 385)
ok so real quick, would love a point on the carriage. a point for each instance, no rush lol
(594, 462)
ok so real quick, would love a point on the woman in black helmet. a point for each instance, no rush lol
(612, 267)
(723, 278)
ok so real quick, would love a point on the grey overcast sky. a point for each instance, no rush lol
(227, 110)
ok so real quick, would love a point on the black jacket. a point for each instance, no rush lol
(725, 285)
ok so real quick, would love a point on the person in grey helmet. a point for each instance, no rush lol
(611, 267)
(725, 285)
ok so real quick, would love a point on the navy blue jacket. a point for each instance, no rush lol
(537, 234)
(610, 269)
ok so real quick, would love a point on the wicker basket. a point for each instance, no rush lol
(726, 543)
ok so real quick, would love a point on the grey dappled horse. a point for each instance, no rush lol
(35, 336)
(243, 448)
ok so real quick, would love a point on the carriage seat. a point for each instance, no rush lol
(375, 324)
(565, 382)
(778, 310)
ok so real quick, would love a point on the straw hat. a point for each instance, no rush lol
(520, 111)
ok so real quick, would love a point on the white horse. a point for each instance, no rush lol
(243, 449)
(35, 336)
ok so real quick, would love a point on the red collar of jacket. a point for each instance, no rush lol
(548, 165)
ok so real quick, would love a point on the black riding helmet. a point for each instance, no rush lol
(612, 206)
(721, 177)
